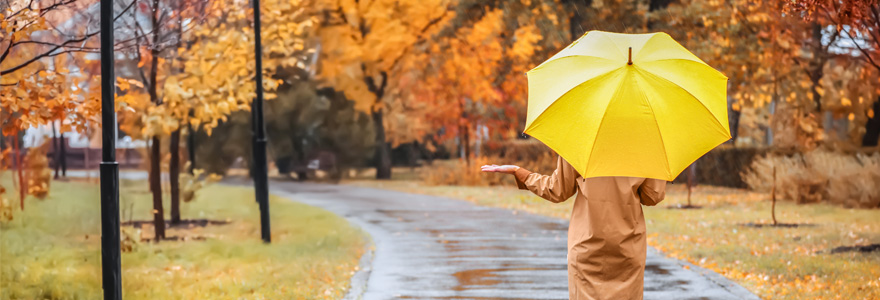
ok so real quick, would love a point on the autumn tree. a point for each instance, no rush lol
(780, 68)
(39, 81)
(486, 65)
(858, 22)
(215, 67)
(484, 52)
(157, 40)
(362, 43)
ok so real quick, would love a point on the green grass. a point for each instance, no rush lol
(773, 262)
(52, 249)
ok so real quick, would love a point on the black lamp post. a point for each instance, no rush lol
(110, 265)
(260, 169)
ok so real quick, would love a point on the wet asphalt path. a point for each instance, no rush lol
(438, 248)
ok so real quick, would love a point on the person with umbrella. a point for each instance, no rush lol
(625, 113)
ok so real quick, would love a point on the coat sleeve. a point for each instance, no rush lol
(556, 187)
(652, 191)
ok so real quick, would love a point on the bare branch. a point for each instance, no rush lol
(46, 54)
(864, 52)
(65, 46)
(421, 38)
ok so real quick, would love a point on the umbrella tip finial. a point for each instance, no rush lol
(630, 62)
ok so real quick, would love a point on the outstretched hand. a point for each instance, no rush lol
(508, 169)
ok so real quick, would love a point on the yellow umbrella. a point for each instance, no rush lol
(637, 105)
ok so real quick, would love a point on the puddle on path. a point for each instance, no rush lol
(655, 269)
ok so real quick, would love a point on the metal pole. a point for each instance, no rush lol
(261, 176)
(111, 269)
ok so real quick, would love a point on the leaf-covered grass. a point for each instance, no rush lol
(52, 249)
(773, 262)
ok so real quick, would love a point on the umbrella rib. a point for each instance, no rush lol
(701, 62)
(569, 91)
(613, 42)
(601, 122)
(715, 118)
(563, 57)
(657, 124)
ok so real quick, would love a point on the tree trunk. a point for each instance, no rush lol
(691, 181)
(300, 160)
(467, 144)
(156, 150)
(658, 4)
(575, 28)
(816, 69)
(872, 127)
(773, 198)
(191, 147)
(174, 176)
(55, 150)
(733, 120)
(412, 154)
(383, 149)
(768, 135)
(156, 189)
(19, 166)
(63, 159)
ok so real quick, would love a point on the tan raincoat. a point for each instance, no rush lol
(606, 234)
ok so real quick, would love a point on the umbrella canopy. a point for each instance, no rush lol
(637, 105)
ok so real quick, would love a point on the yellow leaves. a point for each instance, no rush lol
(157, 122)
(42, 96)
(526, 38)
(124, 84)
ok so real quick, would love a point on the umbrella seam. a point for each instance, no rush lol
(566, 93)
(542, 65)
(601, 122)
(717, 122)
(613, 42)
(560, 51)
(657, 124)
(688, 60)
(661, 34)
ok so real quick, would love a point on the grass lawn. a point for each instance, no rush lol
(52, 249)
(773, 262)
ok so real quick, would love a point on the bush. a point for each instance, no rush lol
(722, 166)
(6, 207)
(458, 172)
(37, 172)
(820, 175)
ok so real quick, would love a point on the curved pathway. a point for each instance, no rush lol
(439, 248)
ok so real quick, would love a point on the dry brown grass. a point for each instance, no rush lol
(459, 172)
(852, 180)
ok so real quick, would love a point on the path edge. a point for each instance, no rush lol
(358, 284)
(724, 282)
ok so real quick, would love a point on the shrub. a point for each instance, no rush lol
(458, 172)
(722, 166)
(192, 183)
(129, 238)
(820, 175)
(6, 208)
(37, 172)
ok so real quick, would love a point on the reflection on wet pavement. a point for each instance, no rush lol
(438, 248)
